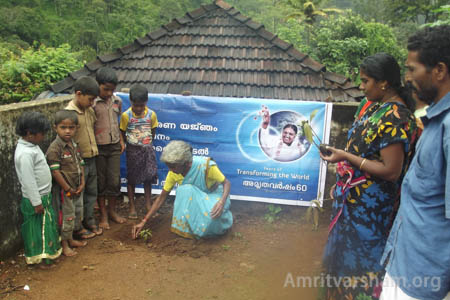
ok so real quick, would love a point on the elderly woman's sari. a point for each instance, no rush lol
(194, 202)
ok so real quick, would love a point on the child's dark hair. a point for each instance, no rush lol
(383, 66)
(138, 93)
(32, 122)
(64, 115)
(87, 86)
(106, 75)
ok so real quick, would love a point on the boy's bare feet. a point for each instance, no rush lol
(69, 252)
(132, 215)
(97, 230)
(116, 218)
(75, 243)
(104, 225)
(66, 250)
(104, 220)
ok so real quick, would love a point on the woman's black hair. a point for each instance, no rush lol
(32, 122)
(292, 126)
(106, 75)
(383, 66)
(64, 115)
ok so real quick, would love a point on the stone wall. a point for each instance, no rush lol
(10, 195)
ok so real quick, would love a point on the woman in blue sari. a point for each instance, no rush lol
(202, 202)
(379, 148)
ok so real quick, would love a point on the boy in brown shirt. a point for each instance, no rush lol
(86, 90)
(66, 165)
(108, 109)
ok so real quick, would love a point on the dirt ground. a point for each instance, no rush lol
(255, 260)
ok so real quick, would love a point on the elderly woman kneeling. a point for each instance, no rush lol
(202, 202)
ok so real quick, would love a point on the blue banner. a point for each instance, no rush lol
(268, 163)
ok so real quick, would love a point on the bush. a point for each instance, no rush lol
(341, 42)
(32, 71)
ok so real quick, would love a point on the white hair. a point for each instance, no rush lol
(177, 153)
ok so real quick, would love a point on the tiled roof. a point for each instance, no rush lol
(217, 51)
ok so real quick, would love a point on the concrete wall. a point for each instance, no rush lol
(10, 195)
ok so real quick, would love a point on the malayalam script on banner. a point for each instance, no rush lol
(275, 164)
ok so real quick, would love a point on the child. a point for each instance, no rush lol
(138, 126)
(39, 229)
(66, 165)
(108, 109)
(86, 90)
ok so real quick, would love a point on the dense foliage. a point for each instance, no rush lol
(32, 71)
(42, 40)
(444, 16)
(91, 26)
(341, 42)
(35, 36)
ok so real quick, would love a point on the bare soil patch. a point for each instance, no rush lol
(252, 261)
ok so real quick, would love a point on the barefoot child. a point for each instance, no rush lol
(108, 109)
(138, 126)
(66, 165)
(86, 90)
(39, 229)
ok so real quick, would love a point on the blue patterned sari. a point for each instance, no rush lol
(194, 202)
(364, 205)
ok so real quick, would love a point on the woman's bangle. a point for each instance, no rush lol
(362, 163)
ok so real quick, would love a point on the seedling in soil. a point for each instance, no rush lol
(272, 213)
(226, 247)
(238, 235)
(146, 234)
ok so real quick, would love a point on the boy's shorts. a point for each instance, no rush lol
(108, 170)
(69, 212)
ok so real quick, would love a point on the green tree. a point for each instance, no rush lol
(370, 10)
(342, 42)
(418, 11)
(308, 11)
(23, 22)
(33, 71)
(271, 13)
(443, 18)
(294, 32)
